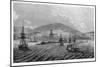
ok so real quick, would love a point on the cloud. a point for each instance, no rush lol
(27, 22)
(80, 17)
(31, 27)
(15, 16)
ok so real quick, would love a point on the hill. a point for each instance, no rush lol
(55, 26)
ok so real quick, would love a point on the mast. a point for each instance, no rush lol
(23, 41)
(23, 45)
(61, 40)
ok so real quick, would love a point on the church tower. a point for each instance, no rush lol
(51, 34)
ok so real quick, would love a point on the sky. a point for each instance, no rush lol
(33, 15)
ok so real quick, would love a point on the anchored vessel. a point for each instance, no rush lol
(23, 44)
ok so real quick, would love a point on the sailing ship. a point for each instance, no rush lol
(23, 44)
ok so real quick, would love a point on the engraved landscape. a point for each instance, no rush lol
(49, 32)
